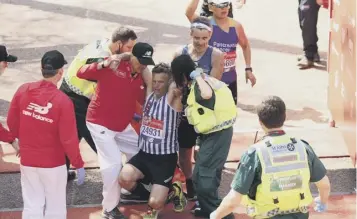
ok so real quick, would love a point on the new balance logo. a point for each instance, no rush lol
(147, 186)
(39, 109)
(43, 110)
(147, 54)
(168, 180)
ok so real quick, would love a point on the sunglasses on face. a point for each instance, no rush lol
(222, 5)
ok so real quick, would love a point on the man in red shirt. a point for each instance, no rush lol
(119, 86)
(5, 135)
(42, 118)
(323, 3)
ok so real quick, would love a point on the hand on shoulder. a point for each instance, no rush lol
(116, 58)
(177, 92)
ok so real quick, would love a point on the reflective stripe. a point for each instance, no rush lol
(251, 211)
(73, 88)
(299, 147)
(276, 211)
(283, 159)
(268, 156)
(295, 166)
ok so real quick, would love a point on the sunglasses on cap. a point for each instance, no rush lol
(221, 5)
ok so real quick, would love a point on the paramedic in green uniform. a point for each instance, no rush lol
(210, 108)
(247, 181)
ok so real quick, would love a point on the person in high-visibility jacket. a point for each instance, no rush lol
(273, 176)
(81, 91)
(210, 108)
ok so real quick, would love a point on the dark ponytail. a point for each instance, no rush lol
(181, 68)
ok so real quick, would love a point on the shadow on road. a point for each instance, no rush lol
(321, 66)
(295, 115)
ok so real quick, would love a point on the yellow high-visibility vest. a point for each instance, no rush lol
(94, 52)
(206, 120)
(285, 178)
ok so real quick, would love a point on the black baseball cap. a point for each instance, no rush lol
(4, 56)
(143, 52)
(52, 60)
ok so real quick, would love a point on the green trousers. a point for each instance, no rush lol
(210, 162)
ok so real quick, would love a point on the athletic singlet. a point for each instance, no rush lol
(205, 62)
(227, 43)
(158, 132)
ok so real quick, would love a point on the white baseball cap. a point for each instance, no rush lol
(219, 1)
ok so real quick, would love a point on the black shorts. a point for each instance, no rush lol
(158, 169)
(187, 135)
(233, 87)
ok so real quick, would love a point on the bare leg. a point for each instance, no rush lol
(185, 156)
(129, 176)
(158, 196)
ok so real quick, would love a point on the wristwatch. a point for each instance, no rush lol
(249, 69)
(103, 65)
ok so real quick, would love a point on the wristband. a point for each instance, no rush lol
(137, 117)
(249, 69)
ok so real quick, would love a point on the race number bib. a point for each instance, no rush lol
(229, 60)
(152, 128)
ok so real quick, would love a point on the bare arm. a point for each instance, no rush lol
(206, 90)
(244, 44)
(91, 71)
(147, 78)
(227, 205)
(117, 58)
(191, 10)
(178, 52)
(324, 189)
(174, 97)
(217, 64)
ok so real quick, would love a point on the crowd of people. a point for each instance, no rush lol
(155, 119)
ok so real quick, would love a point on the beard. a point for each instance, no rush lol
(117, 52)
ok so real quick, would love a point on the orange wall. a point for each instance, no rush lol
(342, 70)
